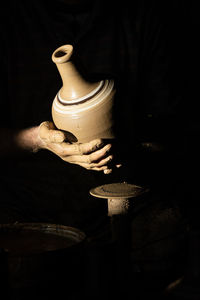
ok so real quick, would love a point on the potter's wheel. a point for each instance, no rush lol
(118, 196)
(117, 190)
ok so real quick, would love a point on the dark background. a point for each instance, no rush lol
(171, 171)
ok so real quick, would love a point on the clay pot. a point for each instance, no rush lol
(83, 109)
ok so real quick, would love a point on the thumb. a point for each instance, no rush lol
(48, 133)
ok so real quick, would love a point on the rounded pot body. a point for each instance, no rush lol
(88, 118)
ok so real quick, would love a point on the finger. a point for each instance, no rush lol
(86, 148)
(103, 162)
(99, 154)
(94, 157)
(77, 149)
(118, 165)
(48, 133)
(88, 163)
(107, 171)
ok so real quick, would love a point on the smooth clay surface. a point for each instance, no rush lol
(83, 109)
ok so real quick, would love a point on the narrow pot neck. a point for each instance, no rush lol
(74, 85)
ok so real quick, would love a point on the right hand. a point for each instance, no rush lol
(93, 155)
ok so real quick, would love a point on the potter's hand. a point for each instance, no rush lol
(93, 155)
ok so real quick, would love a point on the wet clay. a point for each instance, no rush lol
(83, 109)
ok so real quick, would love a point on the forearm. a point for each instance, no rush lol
(14, 142)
